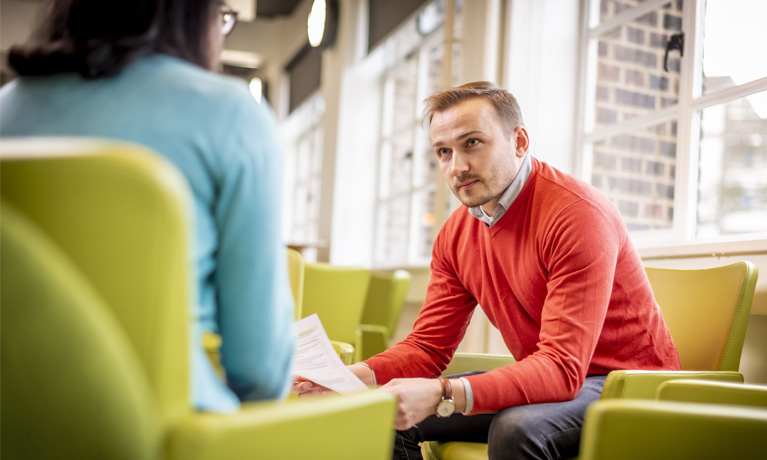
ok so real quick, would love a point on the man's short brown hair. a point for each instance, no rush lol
(505, 104)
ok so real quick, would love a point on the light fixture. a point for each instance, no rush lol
(256, 88)
(322, 23)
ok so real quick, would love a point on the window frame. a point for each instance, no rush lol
(419, 52)
(691, 101)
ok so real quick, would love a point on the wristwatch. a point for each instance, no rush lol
(446, 406)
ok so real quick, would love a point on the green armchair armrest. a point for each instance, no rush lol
(713, 392)
(345, 351)
(374, 339)
(436, 450)
(644, 384)
(660, 430)
(467, 362)
(291, 430)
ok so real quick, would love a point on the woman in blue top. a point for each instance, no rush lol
(142, 71)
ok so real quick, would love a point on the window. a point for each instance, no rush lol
(303, 175)
(407, 168)
(675, 116)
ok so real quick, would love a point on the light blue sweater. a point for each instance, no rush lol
(225, 144)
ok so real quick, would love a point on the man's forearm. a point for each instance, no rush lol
(363, 373)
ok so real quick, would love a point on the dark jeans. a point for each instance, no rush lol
(534, 431)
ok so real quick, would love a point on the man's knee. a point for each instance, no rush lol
(533, 432)
(516, 432)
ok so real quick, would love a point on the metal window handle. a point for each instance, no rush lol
(675, 42)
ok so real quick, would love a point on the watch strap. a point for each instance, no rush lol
(447, 388)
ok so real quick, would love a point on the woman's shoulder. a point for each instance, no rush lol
(173, 74)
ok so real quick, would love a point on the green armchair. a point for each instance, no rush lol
(690, 419)
(383, 307)
(95, 322)
(337, 295)
(714, 303)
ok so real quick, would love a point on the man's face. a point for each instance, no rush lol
(478, 156)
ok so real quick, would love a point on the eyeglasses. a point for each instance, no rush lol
(228, 19)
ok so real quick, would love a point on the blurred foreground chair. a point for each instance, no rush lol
(383, 307)
(96, 317)
(692, 419)
(337, 295)
(712, 303)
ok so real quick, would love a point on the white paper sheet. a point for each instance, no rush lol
(315, 358)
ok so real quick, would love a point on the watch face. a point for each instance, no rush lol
(445, 408)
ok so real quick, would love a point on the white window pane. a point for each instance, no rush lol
(733, 44)
(405, 96)
(425, 165)
(392, 234)
(609, 8)
(313, 200)
(636, 171)
(631, 80)
(435, 57)
(304, 157)
(423, 222)
(319, 133)
(732, 189)
(397, 161)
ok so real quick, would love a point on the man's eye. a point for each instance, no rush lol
(443, 152)
(473, 142)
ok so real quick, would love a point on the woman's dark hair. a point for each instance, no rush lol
(97, 38)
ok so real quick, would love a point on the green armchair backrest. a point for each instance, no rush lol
(71, 386)
(121, 214)
(337, 295)
(385, 299)
(712, 303)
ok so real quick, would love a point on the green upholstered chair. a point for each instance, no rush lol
(72, 387)
(383, 307)
(691, 419)
(96, 295)
(337, 295)
(713, 303)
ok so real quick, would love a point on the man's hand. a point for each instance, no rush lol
(417, 399)
(304, 387)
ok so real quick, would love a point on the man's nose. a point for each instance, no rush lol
(459, 165)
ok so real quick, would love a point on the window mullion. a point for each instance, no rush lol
(729, 94)
(688, 127)
(626, 16)
(587, 89)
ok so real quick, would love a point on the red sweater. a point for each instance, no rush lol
(560, 279)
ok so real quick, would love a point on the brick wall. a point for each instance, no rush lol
(636, 169)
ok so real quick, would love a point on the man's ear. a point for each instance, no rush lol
(521, 140)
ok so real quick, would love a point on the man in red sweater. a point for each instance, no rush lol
(549, 260)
